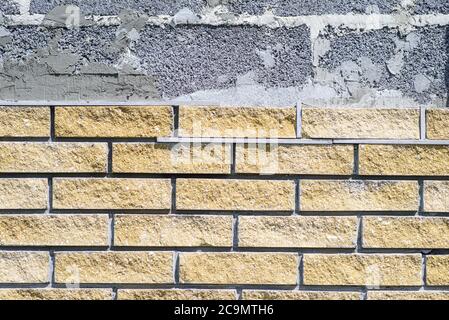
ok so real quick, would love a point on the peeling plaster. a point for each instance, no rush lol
(73, 63)
(358, 77)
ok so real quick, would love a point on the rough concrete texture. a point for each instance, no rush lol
(170, 7)
(431, 6)
(309, 7)
(9, 7)
(113, 7)
(235, 52)
(67, 64)
(92, 63)
(192, 58)
(413, 64)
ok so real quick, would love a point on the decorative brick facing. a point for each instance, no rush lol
(112, 202)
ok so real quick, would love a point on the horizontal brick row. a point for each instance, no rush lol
(140, 267)
(158, 121)
(206, 294)
(159, 158)
(217, 231)
(223, 195)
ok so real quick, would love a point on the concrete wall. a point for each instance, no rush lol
(268, 52)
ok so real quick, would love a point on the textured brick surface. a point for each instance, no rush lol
(172, 158)
(176, 294)
(23, 194)
(24, 122)
(112, 194)
(113, 121)
(106, 210)
(404, 160)
(299, 295)
(114, 267)
(360, 123)
(436, 196)
(237, 122)
(398, 232)
(437, 124)
(24, 267)
(437, 270)
(164, 231)
(291, 159)
(55, 294)
(53, 157)
(362, 270)
(408, 295)
(298, 232)
(238, 268)
(54, 230)
(358, 195)
(228, 195)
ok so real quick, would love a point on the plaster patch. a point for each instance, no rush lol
(194, 58)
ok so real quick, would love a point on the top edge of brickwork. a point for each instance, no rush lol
(350, 21)
(197, 103)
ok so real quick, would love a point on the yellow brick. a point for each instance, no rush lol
(118, 122)
(405, 232)
(24, 122)
(437, 270)
(53, 157)
(24, 267)
(298, 232)
(112, 194)
(55, 294)
(295, 159)
(114, 267)
(239, 268)
(408, 295)
(299, 295)
(204, 121)
(54, 230)
(362, 269)
(23, 193)
(226, 195)
(404, 160)
(358, 123)
(339, 195)
(171, 158)
(436, 196)
(176, 294)
(173, 231)
(437, 124)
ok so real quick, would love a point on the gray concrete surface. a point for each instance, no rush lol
(9, 7)
(432, 6)
(362, 52)
(111, 7)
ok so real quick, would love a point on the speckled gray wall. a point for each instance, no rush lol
(238, 52)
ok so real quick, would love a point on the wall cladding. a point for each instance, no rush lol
(138, 202)
(389, 61)
(382, 53)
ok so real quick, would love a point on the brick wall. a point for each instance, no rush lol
(162, 202)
